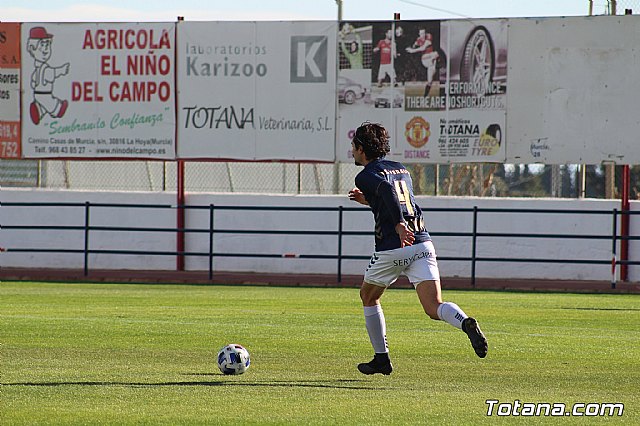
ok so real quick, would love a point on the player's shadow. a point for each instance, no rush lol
(335, 384)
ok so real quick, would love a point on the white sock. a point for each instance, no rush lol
(452, 314)
(377, 328)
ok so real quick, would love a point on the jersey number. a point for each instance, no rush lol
(402, 190)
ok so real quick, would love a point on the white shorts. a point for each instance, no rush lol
(417, 262)
(386, 69)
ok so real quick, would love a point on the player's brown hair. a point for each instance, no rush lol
(374, 140)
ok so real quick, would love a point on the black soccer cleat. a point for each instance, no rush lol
(379, 364)
(478, 341)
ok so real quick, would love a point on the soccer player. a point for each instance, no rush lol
(401, 61)
(387, 50)
(429, 56)
(353, 50)
(402, 246)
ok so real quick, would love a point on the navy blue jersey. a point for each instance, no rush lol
(388, 189)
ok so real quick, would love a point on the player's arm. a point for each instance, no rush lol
(412, 48)
(356, 195)
(343, 47)
(423, 47)
(61, 70)
(406, 235)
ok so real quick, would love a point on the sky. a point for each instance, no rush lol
(285, 10)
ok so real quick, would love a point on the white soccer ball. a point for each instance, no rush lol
(233, 359)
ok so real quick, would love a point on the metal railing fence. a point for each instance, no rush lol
(340, 233)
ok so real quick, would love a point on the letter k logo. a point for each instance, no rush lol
(309, 59)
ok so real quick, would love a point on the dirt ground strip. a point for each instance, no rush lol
(301, 280)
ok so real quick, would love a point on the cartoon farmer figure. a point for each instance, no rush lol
(43, 77)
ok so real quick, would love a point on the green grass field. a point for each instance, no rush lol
(145, 354)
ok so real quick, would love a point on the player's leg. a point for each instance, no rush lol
(381, 75)
(430, 295)
(431, 72)
(392, 76)
(425, 276)
(376, 328)
(374, 316)
(380, 274)
(427, 63)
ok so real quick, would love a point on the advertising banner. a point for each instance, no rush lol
(438, 86)
(98, 90)
(257, 90)
(575, 90)
(9, 90)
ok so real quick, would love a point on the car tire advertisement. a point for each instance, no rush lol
(438, 86)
